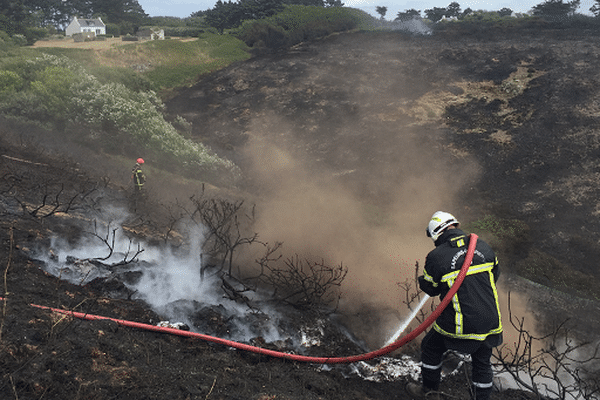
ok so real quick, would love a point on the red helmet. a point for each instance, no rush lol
(140, 160)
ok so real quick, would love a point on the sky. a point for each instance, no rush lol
(183, 8)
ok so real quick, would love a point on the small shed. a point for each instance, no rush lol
(80, 25)
(151, 34)
(84, 37)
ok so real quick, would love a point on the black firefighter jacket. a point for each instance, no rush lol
(474, 312)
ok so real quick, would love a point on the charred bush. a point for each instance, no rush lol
(301, 283)
(555, 365)
(227, 223)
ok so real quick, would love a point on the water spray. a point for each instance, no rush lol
(407, 321)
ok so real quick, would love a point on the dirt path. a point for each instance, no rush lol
(93, 45)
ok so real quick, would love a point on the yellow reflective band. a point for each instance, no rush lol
(429, 278)
(474, 336)
(473, 269)
(493, 284)
(458, 317)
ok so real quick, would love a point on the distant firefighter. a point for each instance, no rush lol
(137, 175)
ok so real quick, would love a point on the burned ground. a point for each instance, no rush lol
(506, 126)
(378, 109)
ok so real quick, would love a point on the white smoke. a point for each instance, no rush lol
(169, 281)
(562, 372)
(415, 26)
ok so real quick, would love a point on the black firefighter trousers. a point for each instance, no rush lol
(433, 347)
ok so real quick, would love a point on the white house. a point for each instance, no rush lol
(78, 25)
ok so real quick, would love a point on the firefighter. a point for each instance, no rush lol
(137, 176)
(471, 324)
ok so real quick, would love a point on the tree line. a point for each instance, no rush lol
(550, 9)
(229, 14)
(37, 18)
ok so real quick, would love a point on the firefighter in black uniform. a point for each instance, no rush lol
(471, 323)
(137, 176)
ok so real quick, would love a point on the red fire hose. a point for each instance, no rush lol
(295, 357)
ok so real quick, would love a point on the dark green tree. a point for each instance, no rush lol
(595, 9)
(58, 13)
(381, 10)
(80, 8)
(15, 16)
(119, 11)
(556, 10)
(407, 15)
(453, 10)
(258, 9)
(505, 12)
(334, 3)
(224, 15)
(318, 3)
(227, 15)
(435, 14)
(167, 21)
(199, 14)
(48, 12)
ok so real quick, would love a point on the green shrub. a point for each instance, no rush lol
(10, 82)
(53, 89)
(126, 76)
(19, 40)
(113, 29)
(263, 33)
(110, 115)
(510, 229)
(186, 31)
(129, 38)
(135, 118)
(32, 35)
(186, 61)
(509, 237)
(297, 23)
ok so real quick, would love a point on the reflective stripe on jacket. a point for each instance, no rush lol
(475, 310)
(138, 177)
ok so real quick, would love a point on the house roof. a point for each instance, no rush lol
(90, 22)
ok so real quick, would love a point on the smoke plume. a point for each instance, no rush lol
(371, 217)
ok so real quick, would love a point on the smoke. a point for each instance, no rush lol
(169, 281)
(368, 214)
(415, 26)
(370, 217)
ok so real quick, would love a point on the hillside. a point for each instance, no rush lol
(347, 146)
(497, 126)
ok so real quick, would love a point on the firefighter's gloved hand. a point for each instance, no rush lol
(428, 287)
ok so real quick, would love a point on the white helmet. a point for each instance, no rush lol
(440, 221)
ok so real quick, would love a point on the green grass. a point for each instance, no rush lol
(171, 63)
(182, 63)
(507, 229)
(82, 56)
